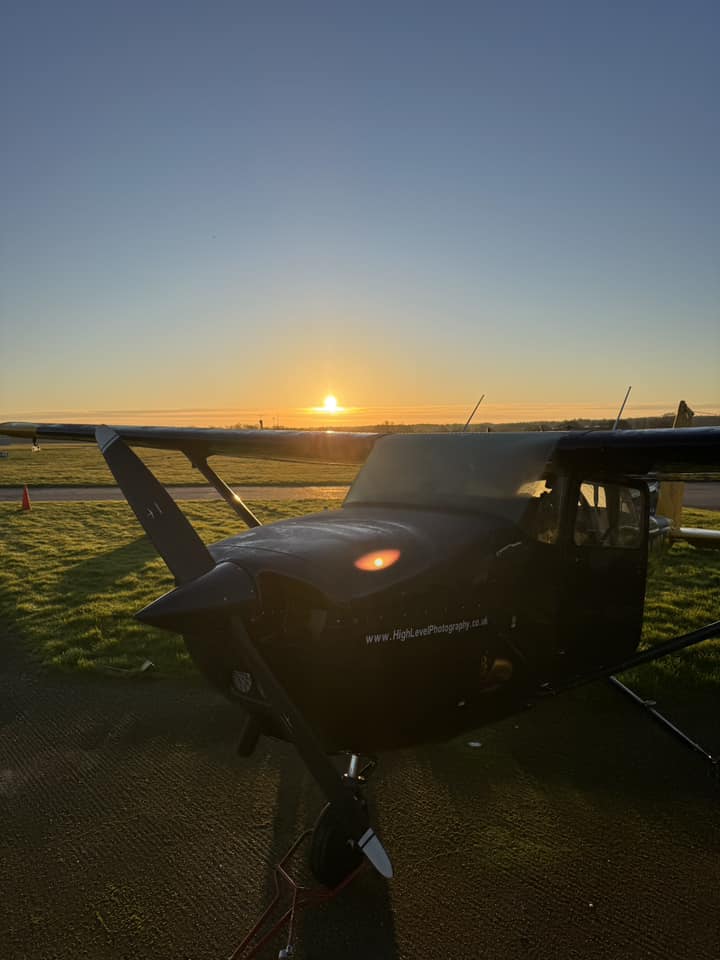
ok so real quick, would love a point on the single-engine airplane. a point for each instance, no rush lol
(666, 502)
(465, 576)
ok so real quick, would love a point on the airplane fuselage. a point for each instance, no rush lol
(391, 627)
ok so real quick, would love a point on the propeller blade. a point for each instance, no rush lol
(162, 520)
(346, 807)
(189, 560)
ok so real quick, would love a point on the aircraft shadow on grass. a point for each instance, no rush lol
(101, 571)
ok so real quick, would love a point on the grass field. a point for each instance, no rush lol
(683, 593)
(73, 574)
(82, 465)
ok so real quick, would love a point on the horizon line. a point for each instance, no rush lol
(513, 412)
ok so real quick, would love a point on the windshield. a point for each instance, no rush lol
(495, 472)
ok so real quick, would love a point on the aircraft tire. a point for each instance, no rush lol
(332, 857)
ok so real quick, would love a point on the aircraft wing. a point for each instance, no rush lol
(199, 443)
(665, 454)
(692, 453)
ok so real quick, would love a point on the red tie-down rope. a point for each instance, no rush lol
(303, 898)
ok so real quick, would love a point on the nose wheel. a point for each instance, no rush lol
(334, 861)
(333, 856)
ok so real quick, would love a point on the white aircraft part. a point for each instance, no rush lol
(375, 852)
(703, 538)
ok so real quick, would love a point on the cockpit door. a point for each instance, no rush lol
(604, 568)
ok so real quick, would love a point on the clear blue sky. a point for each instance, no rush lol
(234, 205)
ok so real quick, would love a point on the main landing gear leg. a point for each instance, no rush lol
(334, 862)
(649, 707)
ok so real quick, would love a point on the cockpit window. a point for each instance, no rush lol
(495, 473)
(609, 515)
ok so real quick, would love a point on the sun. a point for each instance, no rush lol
(330, 407)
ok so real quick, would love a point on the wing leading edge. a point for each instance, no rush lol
(675, 454)
(200, 443)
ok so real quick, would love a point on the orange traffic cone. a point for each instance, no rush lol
(26, 499)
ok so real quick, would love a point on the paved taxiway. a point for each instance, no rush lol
(129, 829)
(178, 493)
(703, 496)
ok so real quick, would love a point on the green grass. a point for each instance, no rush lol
(683, 593)
(73, 574)
(82, 465)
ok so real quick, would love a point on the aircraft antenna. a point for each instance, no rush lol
(622, 407)
(467, 423)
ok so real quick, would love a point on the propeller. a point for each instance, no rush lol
(170, 531)
(208, 588)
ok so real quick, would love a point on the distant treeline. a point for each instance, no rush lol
(524, 426)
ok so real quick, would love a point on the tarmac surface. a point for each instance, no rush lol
(702, 496)
(129, 829)
(41, 494)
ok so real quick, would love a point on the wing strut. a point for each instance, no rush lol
(226, 492)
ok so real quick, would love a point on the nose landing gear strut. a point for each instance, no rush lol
(332, 855)
(334, 862)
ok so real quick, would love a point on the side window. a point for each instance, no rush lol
(608, 515)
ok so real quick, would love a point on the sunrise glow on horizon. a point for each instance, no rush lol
(236, 220)
(361, 416)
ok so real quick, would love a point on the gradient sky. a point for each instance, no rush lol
(242, 207)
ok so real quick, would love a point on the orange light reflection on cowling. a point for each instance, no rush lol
(377, 560)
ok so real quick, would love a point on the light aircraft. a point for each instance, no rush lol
(666, 505)
(466, 576)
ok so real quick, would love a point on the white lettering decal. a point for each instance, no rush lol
(402, 634)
